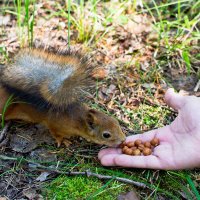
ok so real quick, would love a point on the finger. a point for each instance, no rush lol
(151, 162)
(108, 151)
(163, 134)
(174, 100)
(147, 136)
(144, 137)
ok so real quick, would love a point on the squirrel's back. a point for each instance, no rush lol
(48, 79)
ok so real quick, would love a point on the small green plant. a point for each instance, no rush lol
(90, 24)
(4, 54)
(29, 19)
(185, 55)
(25, 13)
(69, 22)
(177, 34)
(7, 104)
(83, 26)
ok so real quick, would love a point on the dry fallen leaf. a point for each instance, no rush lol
(43, 176)
(100, 73)
(4, 20)
(32, 194)
(132, 195)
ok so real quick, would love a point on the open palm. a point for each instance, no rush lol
(179, 142)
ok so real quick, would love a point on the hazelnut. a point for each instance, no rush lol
(128, 151)
(124, 149)
(147, 144)
(155, 142)
(134, 148)
(146, 151)
(130, 144)
(122, 145)
(141, 147)
(136, 152)
(138, 142)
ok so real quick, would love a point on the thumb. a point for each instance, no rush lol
(174, 100)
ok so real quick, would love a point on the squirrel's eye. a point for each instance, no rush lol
(106, 135)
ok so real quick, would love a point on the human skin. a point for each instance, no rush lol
(179, 142)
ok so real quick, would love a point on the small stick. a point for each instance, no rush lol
(36, 166)
(4, 142)
(197, 86)
(104, 177)
(4, 131)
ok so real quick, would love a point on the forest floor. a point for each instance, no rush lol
(142, 50)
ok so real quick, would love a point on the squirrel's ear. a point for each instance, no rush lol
(91, 118)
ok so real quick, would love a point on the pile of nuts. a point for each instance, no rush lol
(137, 147)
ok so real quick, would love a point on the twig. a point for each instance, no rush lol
(4, 142)
(4, 131)
(9, 158)
(197, 86)
(37, 166)
(105, 177)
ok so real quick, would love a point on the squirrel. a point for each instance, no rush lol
(50, 87)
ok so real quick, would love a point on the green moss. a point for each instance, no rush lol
(147, 117)
(71, 188)
(152, 117)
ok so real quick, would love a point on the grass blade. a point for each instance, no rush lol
(7, 104)
(69, 24)
(186, 58)
(193, 187)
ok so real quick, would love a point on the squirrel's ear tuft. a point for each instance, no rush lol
(91, 118)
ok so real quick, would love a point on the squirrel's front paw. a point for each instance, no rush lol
(66, 142)
(60, 140)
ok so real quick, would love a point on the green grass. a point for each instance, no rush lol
(24, 11)
(69, 21)
(177, 32)
(169, 184)
(72, 187)
(4, 54)
(29, 19)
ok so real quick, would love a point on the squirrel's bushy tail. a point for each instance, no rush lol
(48, 79)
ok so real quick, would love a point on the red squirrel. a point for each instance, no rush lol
(49, 88)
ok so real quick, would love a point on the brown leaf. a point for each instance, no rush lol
(139, 24)
(32, 194)
(100, 73)
(132, 195)
(4, 20)
(28, 139)
(43, 176)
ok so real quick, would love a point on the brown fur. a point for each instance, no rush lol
(55, 78)
(52, 57)
(66, 126)
(51, 85)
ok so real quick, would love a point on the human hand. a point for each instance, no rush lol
(179, 142)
